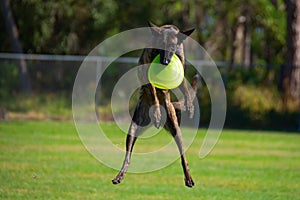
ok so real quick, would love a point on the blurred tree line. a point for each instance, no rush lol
(246, 34)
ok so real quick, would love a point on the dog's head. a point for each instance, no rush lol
(170, 39)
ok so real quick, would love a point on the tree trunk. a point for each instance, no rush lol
(185, 14)
(13, 35)
(232, 47)
(247, 43)
(242, 54)
(199, 21)
(291, 82)
(239, 40)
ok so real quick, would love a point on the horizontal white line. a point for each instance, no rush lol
(49, 57)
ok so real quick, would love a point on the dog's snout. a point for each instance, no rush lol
(165, 57)
(166, 61)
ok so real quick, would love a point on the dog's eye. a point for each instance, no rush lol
(173, 48)
(177, 48)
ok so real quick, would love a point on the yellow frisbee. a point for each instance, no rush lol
(166, 76)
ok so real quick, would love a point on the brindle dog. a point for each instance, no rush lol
(152, 99)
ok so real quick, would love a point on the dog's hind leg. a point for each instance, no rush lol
(139, 123)
(173, 127)
(130, 140)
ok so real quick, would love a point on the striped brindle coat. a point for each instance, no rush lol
(152, 100)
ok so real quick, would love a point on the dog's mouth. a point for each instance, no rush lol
(165, 57)
(164, 61)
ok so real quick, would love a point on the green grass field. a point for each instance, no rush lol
(46, 160)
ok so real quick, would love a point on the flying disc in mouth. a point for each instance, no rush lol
(166, 76)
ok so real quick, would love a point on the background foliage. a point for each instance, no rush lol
(252, 77)
(77, 26)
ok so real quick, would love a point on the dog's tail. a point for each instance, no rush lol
(179, 105)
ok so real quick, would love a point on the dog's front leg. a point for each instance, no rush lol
(187, 97)
(156, 109)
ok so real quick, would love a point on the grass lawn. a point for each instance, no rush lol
(46, 160)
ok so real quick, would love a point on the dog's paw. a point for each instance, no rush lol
(190, 108)
(118, 179)
(189, 182)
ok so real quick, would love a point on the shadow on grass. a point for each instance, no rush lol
(274, 121)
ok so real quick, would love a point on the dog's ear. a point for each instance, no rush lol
(184, 34)
(150, 24)
(187, 32)
(154, 29)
